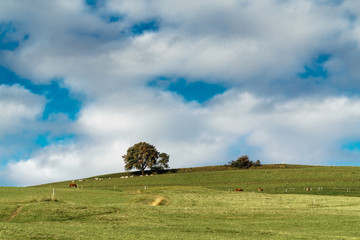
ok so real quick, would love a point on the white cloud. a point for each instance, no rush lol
(304, 131)
(65, 162)
(238, 43)
(18, 108)
(308, 130)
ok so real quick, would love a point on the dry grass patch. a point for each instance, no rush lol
(157, 201)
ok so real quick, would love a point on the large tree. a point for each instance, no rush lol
(144, 155)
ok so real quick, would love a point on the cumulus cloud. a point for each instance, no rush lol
(283, 103)
(64, 162)
(298, 131)
(237, 43)
(304, 130)
(19, 109)
(18, 106)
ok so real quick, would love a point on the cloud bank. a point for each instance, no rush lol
(283, 79)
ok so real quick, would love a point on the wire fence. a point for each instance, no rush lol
(319, 189)
(303, 189)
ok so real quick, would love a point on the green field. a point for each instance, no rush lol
(197, 204)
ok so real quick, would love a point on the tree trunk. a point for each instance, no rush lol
(142, 171)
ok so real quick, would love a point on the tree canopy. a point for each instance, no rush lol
(243, 162)
(144, 155)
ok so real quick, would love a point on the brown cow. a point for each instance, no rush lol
(308, 189)
(73, 185)
(239, 190)
(260, 190)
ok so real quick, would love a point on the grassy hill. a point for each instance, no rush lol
(192, 203)
(272, 178)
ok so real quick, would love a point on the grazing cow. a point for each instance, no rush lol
(73, 185)
(239, 189)
(308, 189)
(260, 190)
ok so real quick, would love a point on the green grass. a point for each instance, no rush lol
(200, 204)
(344, 181)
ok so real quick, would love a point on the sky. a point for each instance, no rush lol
(205, 81)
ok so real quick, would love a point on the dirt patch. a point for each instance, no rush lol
(157, 201)
(15, 213)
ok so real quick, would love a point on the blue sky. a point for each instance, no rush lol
(204, 81)
(59, 99)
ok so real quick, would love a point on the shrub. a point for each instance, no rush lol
(243, 162)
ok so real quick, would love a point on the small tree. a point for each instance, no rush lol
(162, 163)
(144, 155)
(243, 162)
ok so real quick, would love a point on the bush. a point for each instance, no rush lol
(243, 162)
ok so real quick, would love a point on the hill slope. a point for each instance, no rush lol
(190, 205)
(272, 178)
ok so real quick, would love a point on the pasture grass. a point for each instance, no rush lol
(292, 179)
(196, 205)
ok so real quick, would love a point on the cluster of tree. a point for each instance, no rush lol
(243, 162)
(144, 155)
